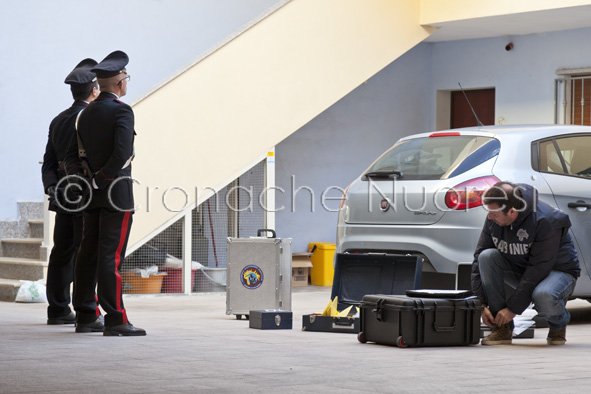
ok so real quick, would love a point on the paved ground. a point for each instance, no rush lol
(193, 347)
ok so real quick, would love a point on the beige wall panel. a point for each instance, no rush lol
(220, 117)
(439, 11)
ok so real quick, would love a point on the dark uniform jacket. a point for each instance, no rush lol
(535, 244)
(62, 137)
(106, 129)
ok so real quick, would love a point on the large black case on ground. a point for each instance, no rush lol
(356, 275)
(406, 321)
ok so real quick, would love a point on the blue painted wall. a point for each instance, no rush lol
(523, 77)
(340, 143)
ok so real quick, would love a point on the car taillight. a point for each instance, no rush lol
(468, 194)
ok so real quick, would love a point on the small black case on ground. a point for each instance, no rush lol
(271, 319)
(321, 323)
(412, 322)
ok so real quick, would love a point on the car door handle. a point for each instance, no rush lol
(579, 204)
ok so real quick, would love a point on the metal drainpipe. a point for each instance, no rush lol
(187, 251)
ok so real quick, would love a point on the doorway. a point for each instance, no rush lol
(483, 102)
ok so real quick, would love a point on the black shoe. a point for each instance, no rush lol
(70, 318)
(124, 330)
(95, 326)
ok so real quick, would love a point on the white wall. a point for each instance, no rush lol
(41, 41)
(441, 12)
(340, 143)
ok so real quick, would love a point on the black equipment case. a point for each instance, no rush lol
(270, 319)
(356, 275)
(319, 323)
(411, 322)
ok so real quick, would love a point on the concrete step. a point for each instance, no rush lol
(25, 269)
(27, 248)
(36, 228)
(8, 289)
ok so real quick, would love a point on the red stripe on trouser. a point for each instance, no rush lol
(97, 311)
(119, 285)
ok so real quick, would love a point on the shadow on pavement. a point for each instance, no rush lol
(580, 314)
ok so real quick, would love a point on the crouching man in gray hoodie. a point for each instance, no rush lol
(525, 244)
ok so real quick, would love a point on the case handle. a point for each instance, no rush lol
(343, 323)
(443, 329)
(438, 328)
(261, 231)
(379, 309)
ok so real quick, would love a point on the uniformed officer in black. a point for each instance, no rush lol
(106, 130)
(67, 232)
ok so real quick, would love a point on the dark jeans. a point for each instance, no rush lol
(549, 296)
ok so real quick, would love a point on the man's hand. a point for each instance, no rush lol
(504, 316)
(487, 317)
(100, 180)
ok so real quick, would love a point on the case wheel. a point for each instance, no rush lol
(400, 342)
(361, 337)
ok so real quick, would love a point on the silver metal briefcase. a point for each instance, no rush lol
(258, 274)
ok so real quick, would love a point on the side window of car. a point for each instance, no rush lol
(550, 160)
(569, 155)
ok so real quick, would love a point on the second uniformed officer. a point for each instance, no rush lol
(106, 130)
(67, 232)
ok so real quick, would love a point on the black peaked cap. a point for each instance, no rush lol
(112, 65)
(82, 74)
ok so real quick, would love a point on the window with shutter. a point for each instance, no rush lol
(573, 100)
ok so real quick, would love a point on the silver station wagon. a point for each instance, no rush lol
(423, 195)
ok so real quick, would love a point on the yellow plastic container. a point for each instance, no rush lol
(322, 263)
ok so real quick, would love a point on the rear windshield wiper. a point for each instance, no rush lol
(384, 174)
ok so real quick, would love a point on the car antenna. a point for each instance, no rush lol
(470, 104)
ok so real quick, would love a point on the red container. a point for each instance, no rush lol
(173, 282)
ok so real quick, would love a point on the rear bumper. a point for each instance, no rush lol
(443, 246)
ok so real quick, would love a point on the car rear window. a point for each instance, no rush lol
(432, 158)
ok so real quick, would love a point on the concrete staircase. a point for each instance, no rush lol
(234, 105)
(21, 254)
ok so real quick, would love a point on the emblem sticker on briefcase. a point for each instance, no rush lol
(252, 276)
